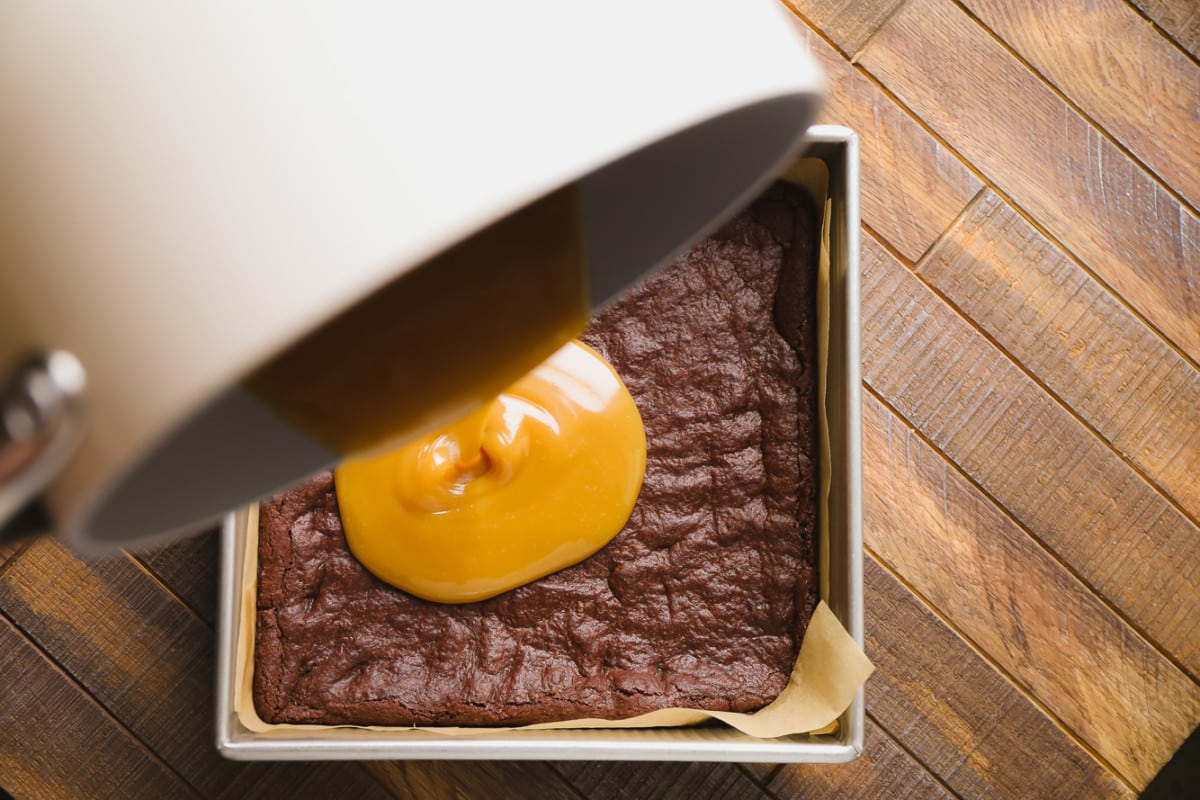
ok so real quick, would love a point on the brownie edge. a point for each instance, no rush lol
(700, 601)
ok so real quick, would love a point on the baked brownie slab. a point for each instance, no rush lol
(700, 601)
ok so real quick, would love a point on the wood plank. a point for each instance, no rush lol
(1179, 18)
(930, 688)
(55, 741)
(849, 23)
(1077, 496)
(305, 779)
(618, 779)
(883, 770)
(912, 187)
(8, 550)
(413, 779)
(1040, 152)
(189, 568)
(1020, 606)
(149, 661)
(1086, 347)
(760, 773)
(1118, 70)
(472, 780)
(109, 627)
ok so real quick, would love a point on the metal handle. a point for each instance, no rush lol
(41, 424)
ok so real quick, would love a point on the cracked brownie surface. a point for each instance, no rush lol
(700, 601)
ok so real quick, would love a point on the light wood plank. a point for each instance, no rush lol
(1084, 502)
(148, 660)
(597, 780)
(912, 187)
(849, 23)
(1032, 617)
(1026, 139)
(1119, 70)
(1179, 18)
(1084, 345)
(961, 551)
(56, 742)
(189, 568)
(883, 770)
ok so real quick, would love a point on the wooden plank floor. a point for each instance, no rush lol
(1031, 340)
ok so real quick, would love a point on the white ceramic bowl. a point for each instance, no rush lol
(186, 189)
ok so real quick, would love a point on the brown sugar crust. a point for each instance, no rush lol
(700, 601)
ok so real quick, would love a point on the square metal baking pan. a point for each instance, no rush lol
(838, 147)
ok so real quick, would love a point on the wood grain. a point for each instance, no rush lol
(948, 541)
(314, 780)
(1040, 152)
(1086, 504)
(849, 23)
(883, 770)
(1137, 85)
(1179, 18)
(761, 773)
(1023, 609)
(413, 779)
(51, 731)
(1064, 327)
(189, 568)
(680, 781)
(912, 188)
(485, 780)
(149, 662)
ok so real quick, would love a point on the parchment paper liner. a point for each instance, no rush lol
(828, 671)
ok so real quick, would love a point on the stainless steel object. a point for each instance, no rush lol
(838, 147)
(41, 425)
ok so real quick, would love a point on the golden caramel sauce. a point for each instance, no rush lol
(441, 339)
(536, 480)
